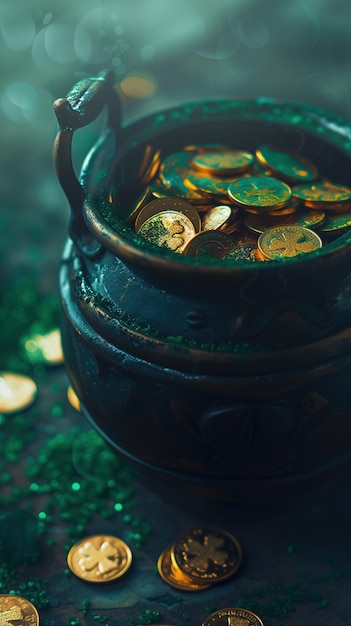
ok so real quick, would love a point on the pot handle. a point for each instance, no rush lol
(83, 103)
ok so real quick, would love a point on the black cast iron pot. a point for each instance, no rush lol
(228, 381)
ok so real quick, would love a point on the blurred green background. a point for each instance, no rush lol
(163, 52)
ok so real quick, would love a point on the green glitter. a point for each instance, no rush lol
(75, 471)
(24, 310)
(149, 617)
(57, 410)
(85, 606)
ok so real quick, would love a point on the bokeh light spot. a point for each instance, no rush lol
(59, 42)
(147, 53)
(17, 28)
(47, 19)
(252, 31)
(20, 102)
(139, 85)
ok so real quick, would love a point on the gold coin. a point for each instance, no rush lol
(45, 348)
(245, 252)
(217, 218)
(332, 207)
(17, 392)
(338, 223)
(173, 171)
(260, 191)
(287, 241)
(208, 185)
(73, 398)
(99, 558)
(150, 165)
(204, 147)
(290, 166)
(289, 209)
(223, 162)
(207, 554)
(174, 576)
(143, 199)
(17, 610)
(168, 204)
(323, 194)
(168, 229)
(233, 617)
(260, 223)
(209, 243)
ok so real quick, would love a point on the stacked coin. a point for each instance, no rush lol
(217, 201)
(200, 558)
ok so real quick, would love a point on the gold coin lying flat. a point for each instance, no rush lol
(336, 224)
(209, 243)
(323, 195)
(99, 559)
(290, 166)
(233, 617)
(17, 392)
(260, 191)
(223, 162)
(17, 610)
(172, 173)
(168, 229)
(174, 576)
(207, 184)
(287, 241)
(207, 554)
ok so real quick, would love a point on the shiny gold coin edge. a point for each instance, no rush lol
(164, 557)
(118, 574)
(235, 609)
(27, 602)
(220, 579)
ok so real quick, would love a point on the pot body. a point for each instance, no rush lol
(230, 383)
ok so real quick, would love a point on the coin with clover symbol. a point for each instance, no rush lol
(207, 554)
(99, 558)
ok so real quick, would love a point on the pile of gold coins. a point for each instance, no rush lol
(200, 558)
(226, 203)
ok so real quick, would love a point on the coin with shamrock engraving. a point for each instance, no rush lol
(287, 241)
(99, 558)
(291, 166)
(233, 617)
(207, 554)
(173, 576)
(17, 610)
(168, 229)
(260, 191)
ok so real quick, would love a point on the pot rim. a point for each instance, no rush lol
(114, 234)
